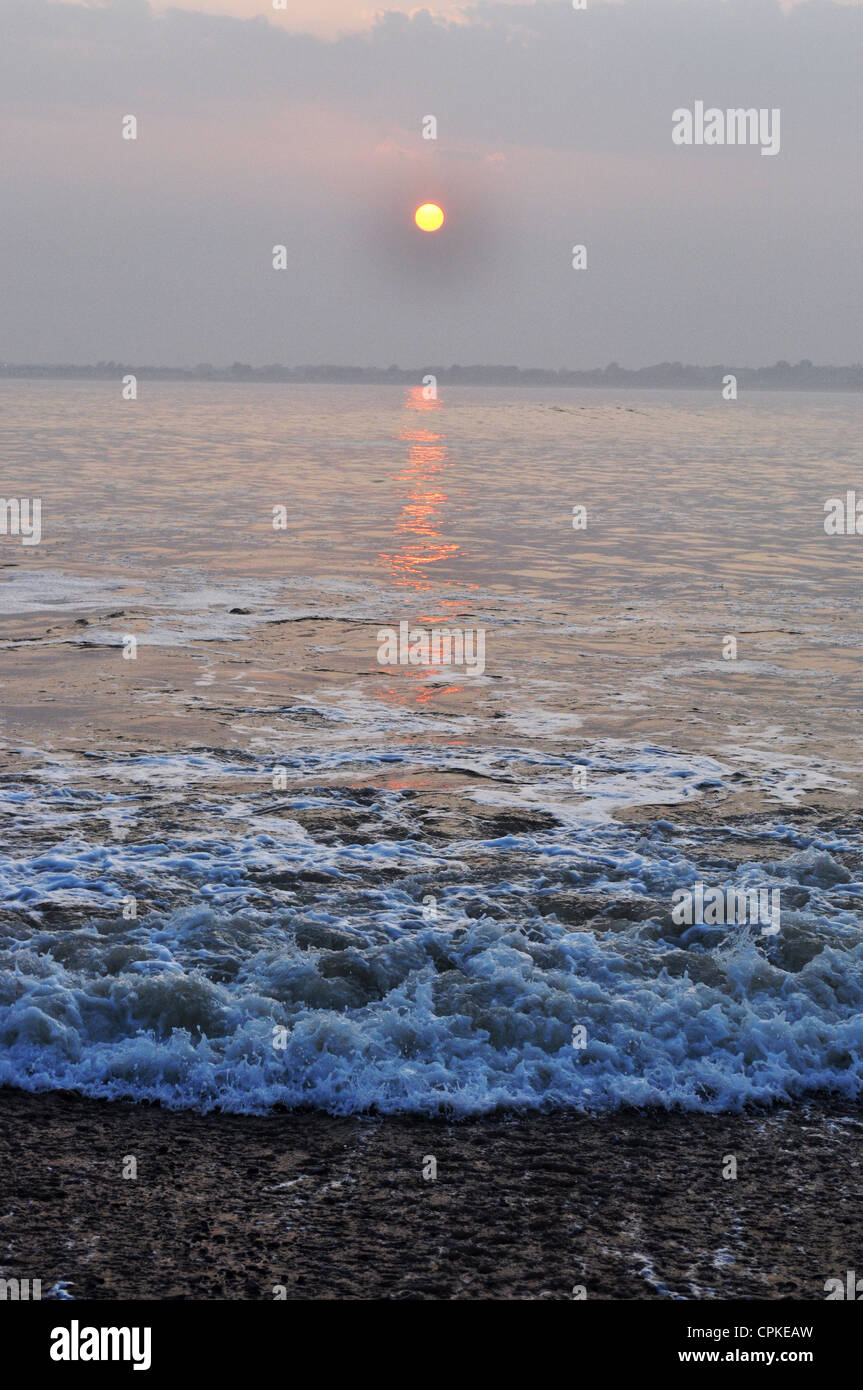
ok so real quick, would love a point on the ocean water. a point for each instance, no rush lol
(253, 867)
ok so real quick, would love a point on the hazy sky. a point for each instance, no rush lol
(303, 128)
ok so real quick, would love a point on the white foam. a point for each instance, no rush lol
(471, 1010)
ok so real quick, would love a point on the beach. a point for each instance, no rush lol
(282, 922)
(308, 1206)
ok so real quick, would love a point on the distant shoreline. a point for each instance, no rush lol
(668, 376)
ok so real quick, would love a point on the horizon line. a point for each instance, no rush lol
(804, 373)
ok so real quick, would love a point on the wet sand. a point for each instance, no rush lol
(65, 686)
(629, 1206)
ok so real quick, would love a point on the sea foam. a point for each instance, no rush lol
(380, 965)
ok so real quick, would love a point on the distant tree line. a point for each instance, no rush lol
(671, 375)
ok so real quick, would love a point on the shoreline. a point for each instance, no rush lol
(629, 1205)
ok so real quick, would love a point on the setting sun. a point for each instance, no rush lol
(429, 217)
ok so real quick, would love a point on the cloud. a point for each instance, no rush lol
(524, 74)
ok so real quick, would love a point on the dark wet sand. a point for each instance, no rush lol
(632, 1206)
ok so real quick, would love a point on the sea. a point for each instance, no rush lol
(245, 864)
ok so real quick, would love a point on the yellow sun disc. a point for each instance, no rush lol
(429, 217)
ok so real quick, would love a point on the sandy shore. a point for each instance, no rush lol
(632, 1206)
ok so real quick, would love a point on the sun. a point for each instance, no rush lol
(429, 217)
